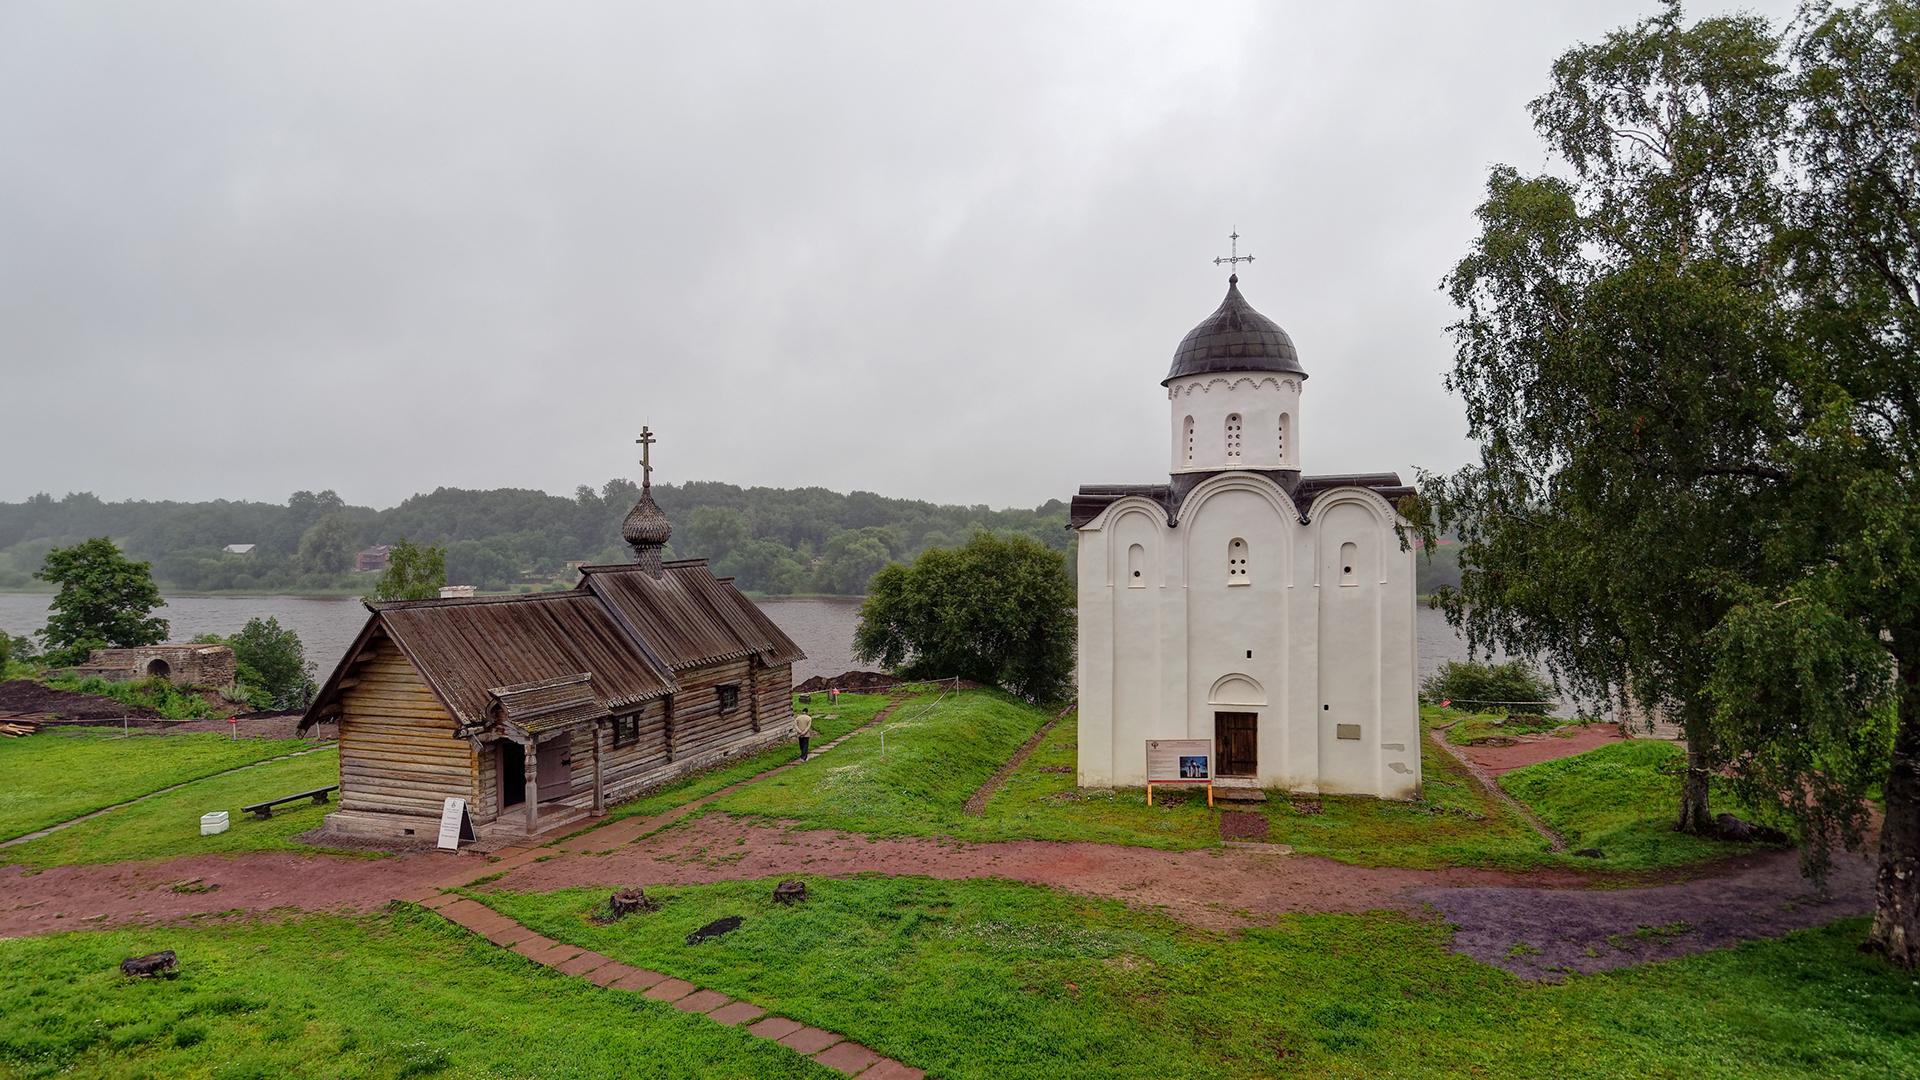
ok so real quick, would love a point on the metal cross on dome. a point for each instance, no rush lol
(646, 441)
(1236, 257)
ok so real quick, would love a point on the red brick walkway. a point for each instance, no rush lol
(828, 1048)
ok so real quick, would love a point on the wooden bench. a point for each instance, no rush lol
(265, 809)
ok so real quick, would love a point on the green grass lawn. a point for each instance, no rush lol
(936, 751)
(829, 723)
(1455, 822)
(1621, 798)
(936, 758)
(994, 979)
(65, 772)
(398, 995)
(168, 825)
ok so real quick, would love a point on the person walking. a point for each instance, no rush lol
(803, 727)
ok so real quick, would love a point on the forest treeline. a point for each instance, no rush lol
(777, 541)
(773, 540)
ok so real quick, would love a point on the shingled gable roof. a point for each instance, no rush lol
(465, 648)
(623, 629)
(688, 616)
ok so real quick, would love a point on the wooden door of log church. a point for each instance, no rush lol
(1235, 747)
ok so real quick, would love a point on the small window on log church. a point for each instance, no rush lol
(626, 730)
(729, 697)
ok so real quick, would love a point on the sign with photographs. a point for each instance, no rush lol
(1180, 761)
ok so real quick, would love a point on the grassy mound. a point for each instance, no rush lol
(393, 996)
(1621, 798)
(993, 979)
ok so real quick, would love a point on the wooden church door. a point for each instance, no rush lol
(1235, 747)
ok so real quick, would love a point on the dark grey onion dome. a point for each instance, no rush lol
(1235, 338)
(646, 523)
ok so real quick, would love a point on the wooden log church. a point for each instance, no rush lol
(541, 709)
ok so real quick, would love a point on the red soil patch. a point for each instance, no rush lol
(1544, 746)
(1213, 888)
(24, 697)
(91, 897)
(1242, 825)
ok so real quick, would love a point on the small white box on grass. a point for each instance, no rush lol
(215, 822)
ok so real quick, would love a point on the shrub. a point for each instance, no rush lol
(1508, 687)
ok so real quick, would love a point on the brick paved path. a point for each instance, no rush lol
(826, 1047)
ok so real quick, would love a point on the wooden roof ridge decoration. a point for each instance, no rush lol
(624, 631)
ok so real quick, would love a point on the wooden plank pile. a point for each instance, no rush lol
(13, 727)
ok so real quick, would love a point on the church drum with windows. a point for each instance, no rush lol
(1242, 601)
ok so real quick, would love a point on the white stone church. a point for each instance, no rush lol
(1244, 602)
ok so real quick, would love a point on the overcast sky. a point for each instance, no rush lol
(933, 251)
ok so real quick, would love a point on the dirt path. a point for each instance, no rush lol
(1555, 841)
(1553, 917)
(1538, 747)
(1537, 924)
(977, 802)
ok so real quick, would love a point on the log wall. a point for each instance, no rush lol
(398, 750)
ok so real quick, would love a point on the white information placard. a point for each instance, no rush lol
(455, 825)
(1179, 761)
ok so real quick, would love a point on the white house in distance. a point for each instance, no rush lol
(1244, 602)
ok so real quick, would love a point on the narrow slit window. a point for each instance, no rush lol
(1136, 567)
(1237, 562)
(1349, 554)
(1285, 423)
(1188, 440)
(1233, 436)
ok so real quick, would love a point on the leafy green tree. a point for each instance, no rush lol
(273, 667)
(480, 564)
(714, 532)
(851, 559)
(1620, 341)
(104, 599)
(1818, 677)
(999, 610)
(1504, 688)
(414, 572)
(328, 546)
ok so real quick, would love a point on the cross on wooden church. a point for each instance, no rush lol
(1236, 257)
(646, 441)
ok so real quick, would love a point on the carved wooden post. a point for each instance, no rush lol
(599, 789)
(533, 787)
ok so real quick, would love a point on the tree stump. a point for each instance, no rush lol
(789, 892)
(627, 901)
(150, 964)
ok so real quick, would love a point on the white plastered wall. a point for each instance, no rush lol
(1161, 652)
(1259, 400)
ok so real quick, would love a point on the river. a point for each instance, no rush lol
(822, 627)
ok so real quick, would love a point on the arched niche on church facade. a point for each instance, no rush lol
(1237, 689)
